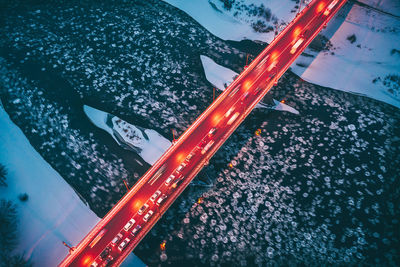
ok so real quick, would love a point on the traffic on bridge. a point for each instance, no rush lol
(120, 231)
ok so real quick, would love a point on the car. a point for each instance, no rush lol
(261, 63)
(178, 182)
(136, 230)
(234, 91)
(258, 89)
(143, 209)
(148, 215)
(108, 261)
(296, 45)
(207, 147)
(169, 180)
(155, 195)
(233, 118)
(229, 112)
(201, 144)
(272, 65)
(329, 8)
(157, 175)
(181, 167)
(105, 253)
(212, 131)
(161, 199)
(123, 244)
(244, 96)
(190, 156)
(129, 224)
(116, 239)
(97, 238)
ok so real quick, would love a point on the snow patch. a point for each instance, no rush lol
(149, 144)
(283, 107)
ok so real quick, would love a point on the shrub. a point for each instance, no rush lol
(228, 4)
(260, 26)
(395, 51)
(3, 174)
(23, 197)
(16, 261)
(352, 38)
(8, 236)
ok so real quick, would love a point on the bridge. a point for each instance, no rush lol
(121, 230)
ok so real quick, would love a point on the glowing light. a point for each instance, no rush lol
(258, 132)
(216, 118)
(87, 260)
(180, 157)
(246, 85)
(320, 7)
(274, 56)
(283, 101)
(200, 200)
(296, 32)
(162, 245)
(230, 165)
(137, 204)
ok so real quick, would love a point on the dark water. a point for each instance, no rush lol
(319, 188)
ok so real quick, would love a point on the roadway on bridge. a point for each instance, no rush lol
(182, 161)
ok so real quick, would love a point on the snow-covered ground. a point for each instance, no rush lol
(226, 25)
(352, 67)
(53, 212)
(393, 7)
(221, 77)
(149, 144)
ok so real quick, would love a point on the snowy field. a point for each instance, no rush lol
(53, 213)
(149, 144)
(360, 67)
